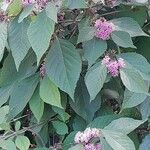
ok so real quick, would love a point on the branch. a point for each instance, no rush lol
(25, 129)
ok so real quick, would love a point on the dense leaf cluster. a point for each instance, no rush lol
(53, 82)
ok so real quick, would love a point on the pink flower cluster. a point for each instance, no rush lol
(39, 4)
(85, 137)
(112, 65)
(103, 29)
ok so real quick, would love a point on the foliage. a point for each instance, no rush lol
(71, 65)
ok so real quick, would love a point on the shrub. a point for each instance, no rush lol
(74, 74)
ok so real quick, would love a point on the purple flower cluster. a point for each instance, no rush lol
(112, 65)
(39, 4)
(85, 138)
(103, 29)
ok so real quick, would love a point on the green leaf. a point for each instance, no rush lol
(79, 124)
(75, 4)
(128, 25)
(51, 11)
(144, 108)
(49, 93)
(133, 59)
(61, 111)
(18, 40)
(41, 148)
(133, 81)
(9, 75)
(15, 7)
(77, 147)
(60, 127)
(118, 141)
(10, 145)
(2, 144)
(22, 94)
(36, 105)
(93, 49)
(5, 92)
(145, 76)
(17, 125)
(22, 142)
(101, 122)
(8, 72)
(5, 126)
(140, 15)
(145, 145)
(104, 144)
(69, 140)
(3, 38)
(135, 138)
(63, 66)
(124, 125)
(7, 145)
(97, 1)
(3, 112)
(132, 99)
(122, 39)
(95, 79)
(139, 2)
(82, 105)
(43, 133)
(143, 45)
(28, 66)
(85, 30)
(39, 34)
(25, 13)
(111, 93)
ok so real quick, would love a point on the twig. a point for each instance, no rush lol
(113, 12)
(43, 144)
(24, 130)
(19, 118)
(119, 51)
(143, 130)
(73, 31)
(147, 24)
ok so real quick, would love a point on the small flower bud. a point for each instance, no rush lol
(42, 70)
